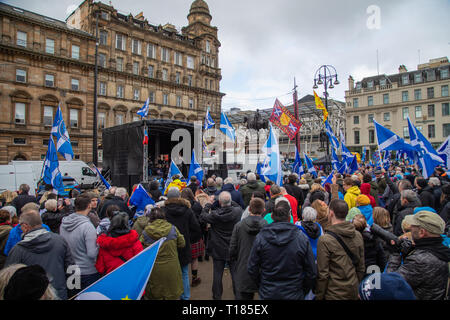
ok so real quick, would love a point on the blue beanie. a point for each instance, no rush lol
(424, 209)
(392, 286)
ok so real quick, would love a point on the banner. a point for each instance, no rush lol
(283, 119)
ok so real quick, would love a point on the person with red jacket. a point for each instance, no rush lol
(293, 202)
(365, 189)
(118, 245)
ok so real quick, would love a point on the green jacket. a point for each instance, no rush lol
(165, 282)
(248, 189)
(140, 224)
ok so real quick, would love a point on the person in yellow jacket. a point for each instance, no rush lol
(351, 192)
(176, 183)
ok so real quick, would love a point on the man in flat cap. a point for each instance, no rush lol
(425, 267)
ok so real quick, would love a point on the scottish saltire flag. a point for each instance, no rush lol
(140, 198)
(347, 156)
(59, 131)
(52, 175)
(106, 183)
(298, 165)
(353, 165)
(342, 136)
(388, 140)
(427, 157)
(209, 122)
(344, 168)
(333, 140)
(128, 281)
(195, 169)
(272, 164)
(444, 152)
(310, 166)
(173, 170)
(328, 179)
(335, 160)
(259, 167)
(143, 111)
(226, 127)
(363, 157)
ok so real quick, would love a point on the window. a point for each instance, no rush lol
(190, 62)
(191, 103)
(405, 113)
(358, 85)
(370, 100)
(444, 73)
(119, 91)
(178, 101)
(151, 51)
(355, 103)
(417, 94)
(208, 46)
(101, 120)
(405, 79)
(355, 119)
(178, 77)
(446, 130)
(102, 90)
(431, 131)
(49, 80)
(206, 83)
(121, 42)
(165, 54)
(444, 91)
(431, 76)
(136, 94)
(445, 109)
(178, 59)
(21, 39)
(50, 46)
(371, 136)
(48, 116)
(119, 119)
(404, 96)
(382, 82)
(211, 85)
(75, 84)
(405, 132)
(102, 60)
(19, 117)
(430, 93)
(104, 15)
(370, 84)
(165, 74)
(151, 96)
(75, 52)
(165, 99)
(370, 118)
(19, 141)
(119, 64)
(418, 113)
(136, 46)
(103, 38)
(417, 77)
(387, 116)
(386, 98)
(73, 118)
(136, 68)
(356, 135)
(150, 71)
(21, 75)
(430, 110)
(189, 80)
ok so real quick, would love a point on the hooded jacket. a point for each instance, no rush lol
(244, 234)
(337, 277)
(178, 212)
(222, 221)
(351, 195)
(401, 214)
(426, 197)
(81, 236)
(236, 196)
(296, 192)
(248, 189)
(366, 190)
(282, 262)
(53, 219)
(47, 249)
(373, 251)
(367, 211)
(313, 231)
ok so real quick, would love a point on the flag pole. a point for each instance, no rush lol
(145, 156)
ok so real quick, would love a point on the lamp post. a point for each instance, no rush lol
(327, 76)
(94, 132)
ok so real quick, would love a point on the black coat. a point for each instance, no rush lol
(282, 262)
(53, 219)
(373, 251)
(179, 213)
(296, 192)
(398, 218)
(242, 239)
(236, 196)
(21, 200)
(222, 221)
(118, 201)
(426, 197)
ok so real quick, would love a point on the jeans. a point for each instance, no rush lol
(217, 287)
(245, 295)
(186, 295)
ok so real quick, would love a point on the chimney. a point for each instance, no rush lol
(351, 83)
(402, 69)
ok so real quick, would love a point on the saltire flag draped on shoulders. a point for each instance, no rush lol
(195, 169)
(59, 131)
(428, 158)
(320, 106)
(329, 131)
(444, 152)
(173, 170)
(226, 127)
(388, 140)
(284, 120)
(140, 198)
(209, 122)
(143, 111)
(310, 166)
(128, 281)
(52, 175)
(272, 164)
(298, 166)
(106, 183)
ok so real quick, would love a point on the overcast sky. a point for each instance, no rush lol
(265, 44)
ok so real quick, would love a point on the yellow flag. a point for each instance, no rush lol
(319, 105)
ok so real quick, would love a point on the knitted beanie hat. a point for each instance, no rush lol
(362, 200)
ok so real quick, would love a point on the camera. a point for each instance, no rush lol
(403, 246)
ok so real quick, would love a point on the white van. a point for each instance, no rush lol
(11, 178)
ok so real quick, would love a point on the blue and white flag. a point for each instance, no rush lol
(272, 164)
(128, 281)
(59, 131)
(346, 154)
(363, 156)
(335, 160)
(298, 165)
(353, 165)
(342, 136)
(310, 166)
(226, 127)
(173, 171)
(106, 183)
(427, 157)
(143, 112)
(329, 179)
(333, 140)
(343, 168)
(195, 169)
(209, 122)
(52, 175)
(388, 140)
(140, 199)
(444, 152)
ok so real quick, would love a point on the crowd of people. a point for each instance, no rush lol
(375, 234)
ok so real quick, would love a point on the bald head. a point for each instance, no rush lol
(225, 199)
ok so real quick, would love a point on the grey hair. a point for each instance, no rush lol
(434, 182)
(120, 192)
(31, 217)
(409, 195)
(243, 181)
(225, 199)
(279, 199)
(228, 180)
(251, 177)
(219, 182)
(309, 214)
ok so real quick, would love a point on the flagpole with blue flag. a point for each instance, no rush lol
(51, 174)
(143, 113)
(140, 199)
(128, 281)
(59, 131)
(444, 152)
(298, 166)
(310, 166)
(329, 179)
(333, 140)
(106, 183)
(195, 169)
(173, 170)
(272, 168)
